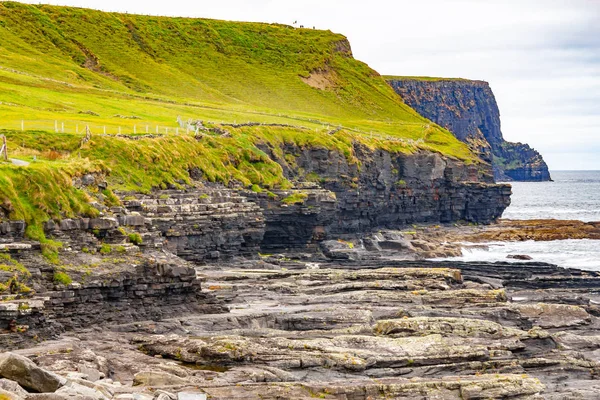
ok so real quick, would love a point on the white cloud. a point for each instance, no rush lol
(541, 57)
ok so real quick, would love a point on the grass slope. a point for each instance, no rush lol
(66, 64)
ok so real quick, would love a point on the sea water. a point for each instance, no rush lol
(573, 195)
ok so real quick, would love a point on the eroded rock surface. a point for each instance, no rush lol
(350, 329)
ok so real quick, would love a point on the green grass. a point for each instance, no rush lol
(296, 198)
(62, 278)
(85, 67)
(157, 68)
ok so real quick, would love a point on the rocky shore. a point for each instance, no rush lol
(302, 329)
(211, 292)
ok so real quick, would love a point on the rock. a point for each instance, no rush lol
(191, 396)
(74, 389)
(157, 378)
(13, 387)
(162, 395)
(92, 373)
(554, 315)
(24, 371)
(6, 395)
(461, 327)
(519, 257)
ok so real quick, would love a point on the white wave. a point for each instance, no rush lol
(571, 253)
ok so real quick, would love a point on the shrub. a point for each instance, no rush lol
(296, 198)
(105, 249)
(135, 238)
(62, 277)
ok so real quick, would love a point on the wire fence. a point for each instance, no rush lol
(80, 127)
(179, 127)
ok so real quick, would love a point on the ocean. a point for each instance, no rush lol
(573, 195)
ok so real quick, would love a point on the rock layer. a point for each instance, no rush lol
(468, 109)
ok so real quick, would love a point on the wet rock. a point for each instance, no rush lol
(519, 257)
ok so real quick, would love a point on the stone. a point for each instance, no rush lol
(92, 373)
(74, 389)
(191, 396)
(24, 371)
(6, 395)
(157, 378)
(13, 387)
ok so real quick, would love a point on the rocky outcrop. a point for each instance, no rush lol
(393, 189)
(97, 289)
(468, 109)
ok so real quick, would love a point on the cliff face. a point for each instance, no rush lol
(469, 110)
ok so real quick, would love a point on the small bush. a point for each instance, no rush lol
(111, 199)
(296, 198)
(50, 250)
(62, 277)
(105, 249)
(135, 238)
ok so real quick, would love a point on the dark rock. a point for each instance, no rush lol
(519, 257)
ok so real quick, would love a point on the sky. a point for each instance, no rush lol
(541, 57)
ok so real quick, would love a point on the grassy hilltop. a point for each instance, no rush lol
(116, 71)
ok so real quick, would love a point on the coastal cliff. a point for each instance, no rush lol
(469, 110)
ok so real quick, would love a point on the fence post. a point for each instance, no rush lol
(119, 130)
(4, 148)
(77, 128)
(22, 125)
(146, 128)
(55, 126)
(134, 130)
(156, 128)
(105, 129)
(177, 131)
(62, 127)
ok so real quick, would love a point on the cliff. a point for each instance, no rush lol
(327, 149)
(469, 110)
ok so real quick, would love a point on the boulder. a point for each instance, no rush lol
(24, 371)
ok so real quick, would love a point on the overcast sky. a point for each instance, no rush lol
(541, 57)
